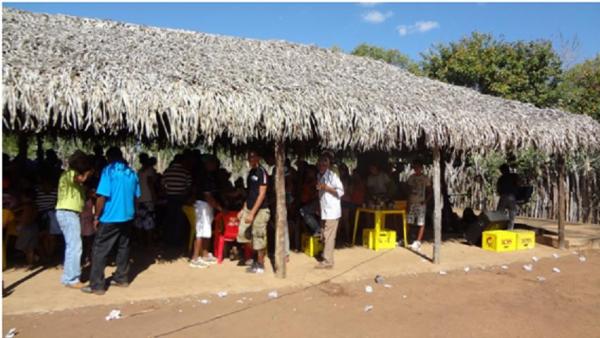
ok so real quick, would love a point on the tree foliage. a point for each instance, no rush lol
(527, 71)
(580, 88)
(391, 56)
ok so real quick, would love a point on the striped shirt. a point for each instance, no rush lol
(45, 201)
(177, 180)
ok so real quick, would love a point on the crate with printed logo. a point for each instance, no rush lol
(525, 239)
(385, 240)
(499, 240)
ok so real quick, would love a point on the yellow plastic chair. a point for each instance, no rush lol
(190, 213)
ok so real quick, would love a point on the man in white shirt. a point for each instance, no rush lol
(331, 191)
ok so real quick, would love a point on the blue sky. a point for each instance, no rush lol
(409, 27)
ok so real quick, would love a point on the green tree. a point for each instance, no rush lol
(580, 88)
(524, 71)
(391, 56)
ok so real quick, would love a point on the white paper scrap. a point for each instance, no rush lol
(114, 314)
(11, 333)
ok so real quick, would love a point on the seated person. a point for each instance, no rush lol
(379, 183)
(27, 229)
(309, 200)
(471, 227)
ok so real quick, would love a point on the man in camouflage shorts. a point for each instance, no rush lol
(255, 214)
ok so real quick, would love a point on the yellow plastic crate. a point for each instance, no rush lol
(311, 245)
(386, 240)
(499, 240)
(525, 239)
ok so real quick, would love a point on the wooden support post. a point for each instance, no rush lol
(281, 210)
(561, 201)
(437, 205)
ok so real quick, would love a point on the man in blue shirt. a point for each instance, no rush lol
(115, 210)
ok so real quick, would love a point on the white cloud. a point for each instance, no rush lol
(424, 26)
(402, 30)
(376, 16)
(418, 27)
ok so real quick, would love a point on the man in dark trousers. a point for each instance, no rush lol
(115, 210)
(508, 187)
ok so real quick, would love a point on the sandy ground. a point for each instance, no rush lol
(156, 278)
(494, 301)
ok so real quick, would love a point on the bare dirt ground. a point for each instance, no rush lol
(488, 300)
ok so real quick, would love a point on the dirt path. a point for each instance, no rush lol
(490, 302)
(40, 290)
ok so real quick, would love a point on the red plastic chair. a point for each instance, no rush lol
(230, 224)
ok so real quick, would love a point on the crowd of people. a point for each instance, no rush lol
(98, 202)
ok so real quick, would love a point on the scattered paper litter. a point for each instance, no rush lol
(557, 270)
(528, 267)
(273, 294)
(239, 301)
(423, 260)
(114, 314)
(582, 259)
(387, 286)
(180, 310)
(541, 279)
(379, 279)
(443, 273)
(368, 308)
(11, 333)
(222, 294)
(404, 296)
(467, 269)
(204, 301)
(574, 252)
(368, 289)
(535, 259)
(504, 267)
(555, 255)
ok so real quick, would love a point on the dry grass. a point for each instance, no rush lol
(81, 74)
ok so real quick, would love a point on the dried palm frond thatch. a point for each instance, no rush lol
(82, 74)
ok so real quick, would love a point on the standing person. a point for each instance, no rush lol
(420, 191)
(69, 204)
(115, 209)
(87, 225)
(177, 182)
(204, 207)
(331, 190)
(508, 187)
(45, 201)
(255, 214)
(145, 216)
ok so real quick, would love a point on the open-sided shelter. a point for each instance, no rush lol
(77, 74)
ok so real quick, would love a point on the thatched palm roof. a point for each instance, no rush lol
(82, 74)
